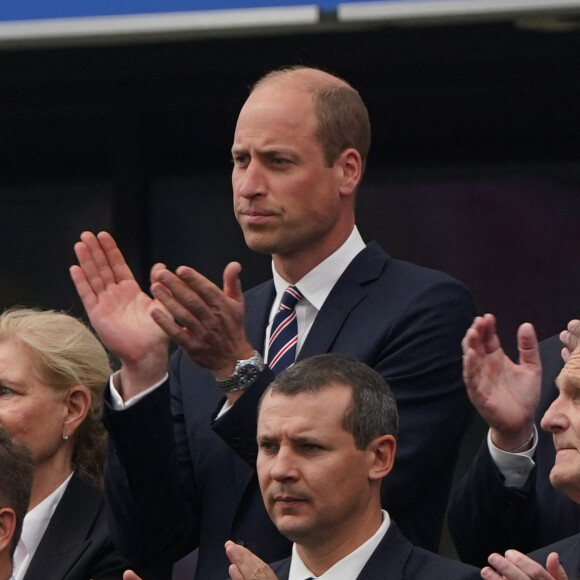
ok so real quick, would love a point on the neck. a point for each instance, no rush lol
(321, 554)
(47, 478)
(5, 565)
(293, 266)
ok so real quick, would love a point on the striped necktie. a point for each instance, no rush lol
(284, 335)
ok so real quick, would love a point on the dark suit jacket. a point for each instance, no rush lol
(77, 544)
(405, 321)
(395, 558)
(569, 552)
(502, 518)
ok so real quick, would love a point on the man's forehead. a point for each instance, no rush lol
(335, 396)
(570, 373)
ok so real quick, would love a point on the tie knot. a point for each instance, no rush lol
(290, 298)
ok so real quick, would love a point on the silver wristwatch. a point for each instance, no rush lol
(244, 374)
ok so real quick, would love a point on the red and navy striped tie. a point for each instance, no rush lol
(284, 335)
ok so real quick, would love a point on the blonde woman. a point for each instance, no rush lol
(52, 373)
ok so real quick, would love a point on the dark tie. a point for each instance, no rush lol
(284, 335)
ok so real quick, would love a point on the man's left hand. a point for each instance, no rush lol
(206, 321)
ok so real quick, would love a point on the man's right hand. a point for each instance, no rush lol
(504, 393)
(120, 312)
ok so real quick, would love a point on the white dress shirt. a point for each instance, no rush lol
(315, 287)
(347, 568)
(33, 528)
(515, 467)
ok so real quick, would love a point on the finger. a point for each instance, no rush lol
(234, 573)
(528, 345)
(490, 574)
(528, 566)
(249, 565)
(100, 269)
(115, 258)
(84, 289)
(472, 336)
(489, 335)
(232, 283)
(554, 567)
(211, 294)
(565, 353)
(181, 301)
(88, 265)
(177, 323)
(506, 568)
(155, 270)
(130, 575)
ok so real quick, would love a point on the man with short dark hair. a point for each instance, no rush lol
(181, 466)
(327, 431)
(16, 473)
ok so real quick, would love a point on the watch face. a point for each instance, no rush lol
(247, 372)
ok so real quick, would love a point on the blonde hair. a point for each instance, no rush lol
(67, 354)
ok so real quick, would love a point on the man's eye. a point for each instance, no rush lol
(267, 446)
(240, 159)
(5, 392)
(311, 447)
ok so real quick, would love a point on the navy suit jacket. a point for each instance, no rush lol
(501, 517)
(569, 552)
(77, 544)
(395, 558)
(170, 491)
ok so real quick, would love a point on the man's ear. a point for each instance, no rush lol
(7, 527)
(382, 455)
(78, 405)
(350, 164)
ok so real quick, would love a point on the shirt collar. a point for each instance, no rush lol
(37, 519)
(350, 566)
(317, 284)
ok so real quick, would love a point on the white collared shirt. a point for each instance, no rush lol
(315, 287)
(33, 528)
(350, 566)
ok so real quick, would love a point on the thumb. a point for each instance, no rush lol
(130, 575)
(554, 567)
(528, 345)
(232, 283)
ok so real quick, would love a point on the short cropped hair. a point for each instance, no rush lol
(67, 354)
(373, 411)
(16, 473)
(343, 119)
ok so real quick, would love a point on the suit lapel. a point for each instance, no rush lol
(65, 537)
(348, 291)
(389, 559)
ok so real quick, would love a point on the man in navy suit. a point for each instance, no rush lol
(327, 431)
(181, 465)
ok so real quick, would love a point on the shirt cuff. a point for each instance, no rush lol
(515, 467)
(117, 401)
